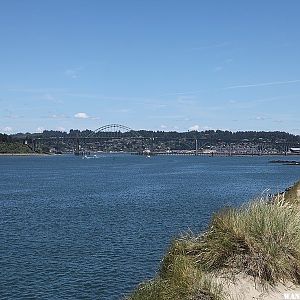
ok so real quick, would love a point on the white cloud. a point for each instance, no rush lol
(201, 128)
(81, 115)
(260, 118)
(59, 128)
(7, 129)
(40, 129)
(194, 128)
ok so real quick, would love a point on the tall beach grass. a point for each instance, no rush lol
(260, 239)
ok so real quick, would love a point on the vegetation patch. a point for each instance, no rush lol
(260, 239)
(14, 147)
(179, 279)
(292, 194)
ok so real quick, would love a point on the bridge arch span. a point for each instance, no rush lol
(113, 130)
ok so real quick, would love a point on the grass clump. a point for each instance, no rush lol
(260, 239)
(292, 194)
(179, 279)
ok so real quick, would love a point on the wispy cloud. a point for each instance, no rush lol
(123, 110)
(186, 99)
(58, 116)
(211, 46)
(261, 118)
(108, 98)
(48, 97)
(222, 65)
(218, 68)
(272, 83)
(170, 117)
(12, 116)
(35, 90)
(182, 93)
(72, 73)
(278, 121)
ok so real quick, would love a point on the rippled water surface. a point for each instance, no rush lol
(73, 228)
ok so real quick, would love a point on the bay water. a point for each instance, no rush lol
(73, 228)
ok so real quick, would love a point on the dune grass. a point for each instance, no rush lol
(292, 195)
(260, 239)
(179, 279)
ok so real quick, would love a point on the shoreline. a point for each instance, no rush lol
(160, 154)
(24, 154)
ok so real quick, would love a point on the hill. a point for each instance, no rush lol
(12, 146)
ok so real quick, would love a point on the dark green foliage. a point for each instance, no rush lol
(4, 138)
(162, 141)
(14, 147)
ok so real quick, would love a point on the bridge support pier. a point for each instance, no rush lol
(77, 147)
(33, 145)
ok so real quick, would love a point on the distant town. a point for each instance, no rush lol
(118, 138)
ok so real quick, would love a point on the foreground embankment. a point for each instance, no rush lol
(251, 252)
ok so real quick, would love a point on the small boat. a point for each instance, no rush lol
(295, 150)
(88, 157)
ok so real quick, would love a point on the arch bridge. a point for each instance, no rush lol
(113, 131)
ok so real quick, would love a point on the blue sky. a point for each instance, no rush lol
(160, 64)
